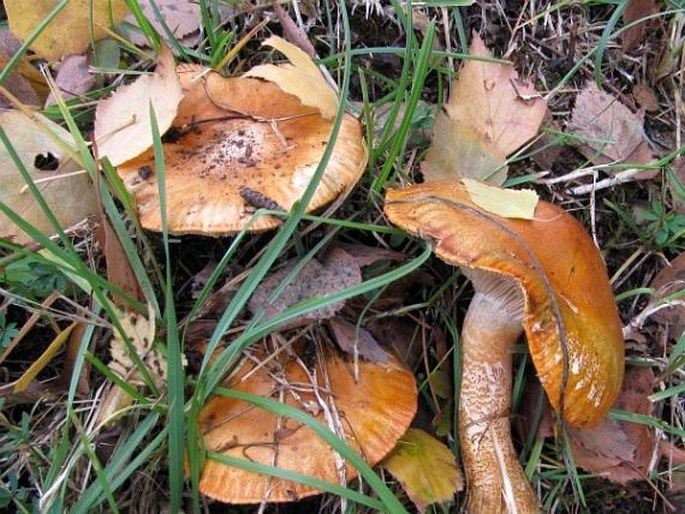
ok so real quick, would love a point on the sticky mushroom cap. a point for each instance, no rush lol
(236, 145)
(374, 413)
(570, 317)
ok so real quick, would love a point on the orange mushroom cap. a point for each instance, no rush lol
(236, 145)
(373, 412)
(570, 317)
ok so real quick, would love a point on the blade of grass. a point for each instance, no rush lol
(176, 374)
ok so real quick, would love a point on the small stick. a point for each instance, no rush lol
(620, 178)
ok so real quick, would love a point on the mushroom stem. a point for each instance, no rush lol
(496, 481)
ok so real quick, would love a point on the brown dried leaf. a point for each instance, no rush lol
(25, 82)
(426, 469)
(366, 255)
(619, 450)
(73, 77)
(338, 272)
(69, 32)
(646, 97)
(491, 112)
(636, 10)
(398, 334)
(119, 270)
(670, 280)
(182, 17)
(356, 340)
(610, 131)
(122, 121)
(494, 100)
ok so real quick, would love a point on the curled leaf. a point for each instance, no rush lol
(122, 121)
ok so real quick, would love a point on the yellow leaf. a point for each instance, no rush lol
(122, 121)
(70, 196)
(301, 78)
(71, 30)
(507, 203)
(426, 469)
(140, 332)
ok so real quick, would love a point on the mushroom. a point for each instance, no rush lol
(543, 275)
(237, 145)
(370, 414)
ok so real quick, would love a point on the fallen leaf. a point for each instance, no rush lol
(669, 281)
(490, 113)
(458, 150)
(507, 203)
(71, 358)
(119, 270)
(73, 78)
(646, 97)
(490, 107)
(140, 332)
(25, 82)
(69, 32)
(315, 280)
(619, 450)
(301, 78)
(182, 17)
(122, 121)
(425, 468)
(399, 334)
(636, 10)
(70, 197)
(356, 340)
(366, 255)
(609, 131)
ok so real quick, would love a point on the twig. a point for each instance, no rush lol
(620, 178)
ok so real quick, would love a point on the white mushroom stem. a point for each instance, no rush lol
(495, 480)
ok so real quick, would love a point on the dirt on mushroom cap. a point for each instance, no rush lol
(592, 349)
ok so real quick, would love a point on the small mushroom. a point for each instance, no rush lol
(237, 145)
(543, 275)
(370, 414)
